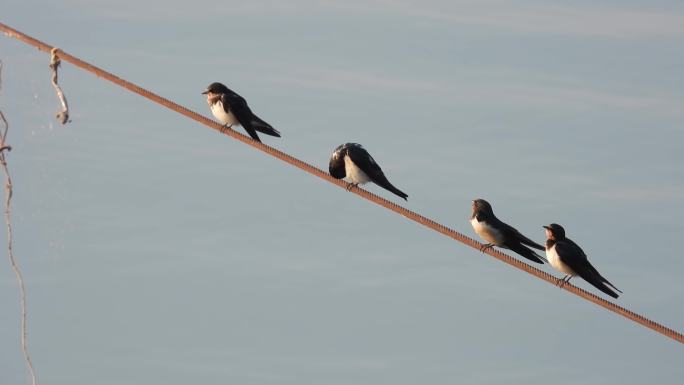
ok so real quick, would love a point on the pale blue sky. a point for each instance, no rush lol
(158, 251)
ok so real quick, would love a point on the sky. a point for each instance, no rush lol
(156, 250)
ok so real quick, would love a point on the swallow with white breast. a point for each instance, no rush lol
(352, 161)
(498, 233)
(230, 108)
(568, 258)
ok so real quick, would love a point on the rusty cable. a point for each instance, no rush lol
(675, 335)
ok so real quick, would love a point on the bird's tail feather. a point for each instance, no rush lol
(531, 243)
(382, 181)
(610, 284)
(398, 192)
(527, 253)
(252, 133)
(602, 279)
(264, 127)
(597, 281)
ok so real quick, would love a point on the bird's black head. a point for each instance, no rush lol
(336, 165)
(216, 88)
(481, 205)
(555, 231)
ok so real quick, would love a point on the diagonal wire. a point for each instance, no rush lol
(675, 335)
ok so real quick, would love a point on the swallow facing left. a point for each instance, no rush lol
(568, 258)
(230, 108)
(352, 161)
(498, 233)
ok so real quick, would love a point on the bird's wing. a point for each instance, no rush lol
(261, 126)
(363, 160)
(512, 233)
(573, 256)
(603, 279)
(236, 104)
(526, 252)
(228, 102)
(593, 269)
(527, 241)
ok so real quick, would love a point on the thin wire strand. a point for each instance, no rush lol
(10, 251)
(358, 191)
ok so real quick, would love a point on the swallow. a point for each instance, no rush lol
(352, 161)
(498, 233)
(230, 108)
(568, 258)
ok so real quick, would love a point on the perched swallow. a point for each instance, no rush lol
(230, 108)
(568, 258)
(498, 233)
(352, 161)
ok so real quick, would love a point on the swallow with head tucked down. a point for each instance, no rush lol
(352, 161)
(230, 108)
(498, 233)
(568, 258)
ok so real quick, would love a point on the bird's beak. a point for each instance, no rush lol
(546, 227)
(205, 92)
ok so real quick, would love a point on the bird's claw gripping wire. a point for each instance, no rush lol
(562, 281)
(486, 247)
(225, 128)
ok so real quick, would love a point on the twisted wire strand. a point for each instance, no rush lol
(10, 243)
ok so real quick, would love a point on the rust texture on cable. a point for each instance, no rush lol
(358, 191)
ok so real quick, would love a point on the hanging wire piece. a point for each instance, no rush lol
(62, 116)
(10, 250)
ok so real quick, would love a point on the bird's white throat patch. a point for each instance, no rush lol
(555, 261)
(353, 172)
(486, 232)
(223, 117)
